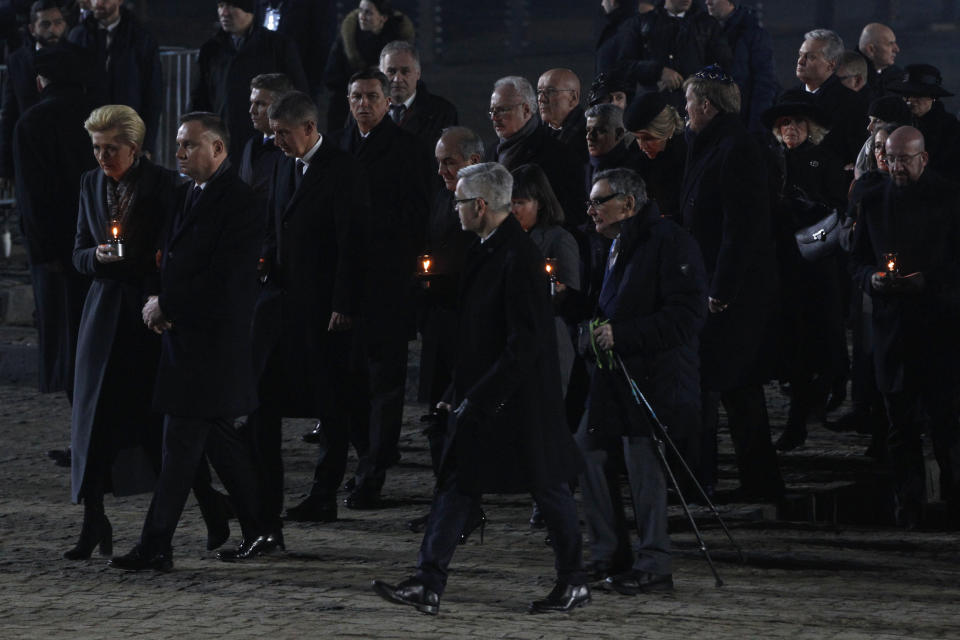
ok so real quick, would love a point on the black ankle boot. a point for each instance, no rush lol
(96, 530)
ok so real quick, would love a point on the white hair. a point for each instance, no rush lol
(490, 181)
(522, 86)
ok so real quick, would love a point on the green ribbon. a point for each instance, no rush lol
(604, 357)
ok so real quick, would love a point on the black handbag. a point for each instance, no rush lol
(823, 239)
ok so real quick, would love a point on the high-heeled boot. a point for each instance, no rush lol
(477, 520)
(96, 530)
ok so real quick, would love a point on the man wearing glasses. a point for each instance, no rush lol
(558, 98)
(904, 257)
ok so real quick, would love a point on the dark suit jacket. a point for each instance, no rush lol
(19, 94)
(725, 205)
(257, 164)
(508, 369)
(208, 287)
(573, 133)
(132, 76)
(223, 84)
(400, 173)
(848, 117)
(428, 116)
(315, 254)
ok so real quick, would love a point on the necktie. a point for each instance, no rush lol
(397, 111)
(195, 196)
(611, 261)
(298, 174)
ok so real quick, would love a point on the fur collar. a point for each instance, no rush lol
(398, 27)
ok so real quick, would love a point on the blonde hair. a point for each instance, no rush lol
(125, 120)
(665, 124)
(815, 132)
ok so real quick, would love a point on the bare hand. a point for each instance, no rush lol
(671, 79)
(107, 253)
(604, 336)
(444, 406)
(609, 5)
(153, 316)
(879, 281)
(339, 322)
(715, 306)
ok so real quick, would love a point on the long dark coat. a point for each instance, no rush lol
(848, 117)
(655, 299)
(223, 84)
(19, 94)
(752, 66)
(52, 151)
(117, 355)
(663, 175)
(208, 288)
(257, 164)
(428, 116)
(126, 73)
(310, 24)
(400, 173)
(507, 367)
(725, 205)
(315, 260)
(941, 134)
(914, 335)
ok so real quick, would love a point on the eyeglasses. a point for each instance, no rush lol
(550, 92)
(905, 159)
(595, 203)
(459, 201)
(499, 111)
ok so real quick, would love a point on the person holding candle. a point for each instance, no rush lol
(914, 214)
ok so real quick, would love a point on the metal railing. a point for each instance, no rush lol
(178, 66)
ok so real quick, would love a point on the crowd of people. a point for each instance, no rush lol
(683, 234)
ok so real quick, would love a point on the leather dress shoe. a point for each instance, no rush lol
(275, 538)
(563, 598)
(630, 584)
(248, 549)
(313, 510)
(362, 499)
(62, 457)
(138, 560)
(316, 435)
(411, 592)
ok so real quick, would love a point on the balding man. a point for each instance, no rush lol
(521, 140)
(904, 256)
(558, 98)
(878, 44)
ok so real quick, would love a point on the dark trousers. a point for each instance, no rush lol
(184, 443)
(603, 507)
(905, 410)
(749, 426)
(449, 515)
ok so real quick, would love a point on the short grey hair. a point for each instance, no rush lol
(490, 181)
(295, 107)
(465, 139)
(625, 181)
(400, 46)
(522, 86)
(609, 114)
(834, 43)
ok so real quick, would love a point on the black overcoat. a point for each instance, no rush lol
(663, 175)
(507, 367)
(223, 83)
(19, 94)
(848, 117)
(725, 204)
(428, 116)
(117, 355)
(914, 335)
(128, 72)
(941, 134)
(208, 288)
(315, 255)
(400, 173)
(257, 163)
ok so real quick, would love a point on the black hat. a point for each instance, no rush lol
(890, 109)
(795, 102)
(250, 6)
(920, 80)
(606, 83)
(56, 64)
(641, 111)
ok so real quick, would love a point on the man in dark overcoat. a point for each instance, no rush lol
(725, 205)
(905, 256)
(240, 51)
(508, 432)
(558, 98)
(415, 109)
(654, 302)
(260, 155)
(47, 28)
(310, 302)
(398, 168)
(523, 139)
(51, 151)
(205, 381)
(125, 63)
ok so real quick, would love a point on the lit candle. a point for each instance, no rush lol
(424, 264)
(551, 268)
(116, 237)
(890, 260)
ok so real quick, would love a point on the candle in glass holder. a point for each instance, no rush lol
(425, 269)
(116, 237)
(551, 268)
(890, 262)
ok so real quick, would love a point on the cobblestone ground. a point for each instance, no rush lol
(800, 579)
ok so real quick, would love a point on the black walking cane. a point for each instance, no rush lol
(660, 436)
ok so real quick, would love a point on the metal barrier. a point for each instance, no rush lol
(177, 65)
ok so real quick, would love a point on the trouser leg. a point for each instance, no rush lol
(388, 374)
(230, 454)
(648, 488)
(264, 426)
(906, 455)
(560, 514)
(707, 469)
(750, 431)
(448, 516)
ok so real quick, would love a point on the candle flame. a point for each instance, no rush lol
(891, 265)
(115, 231)
(426, 266)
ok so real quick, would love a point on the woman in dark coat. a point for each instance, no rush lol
(659, 132)
(115, 437)
(812, 182)
(363, 34)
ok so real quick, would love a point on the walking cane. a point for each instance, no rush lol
(660, 436)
